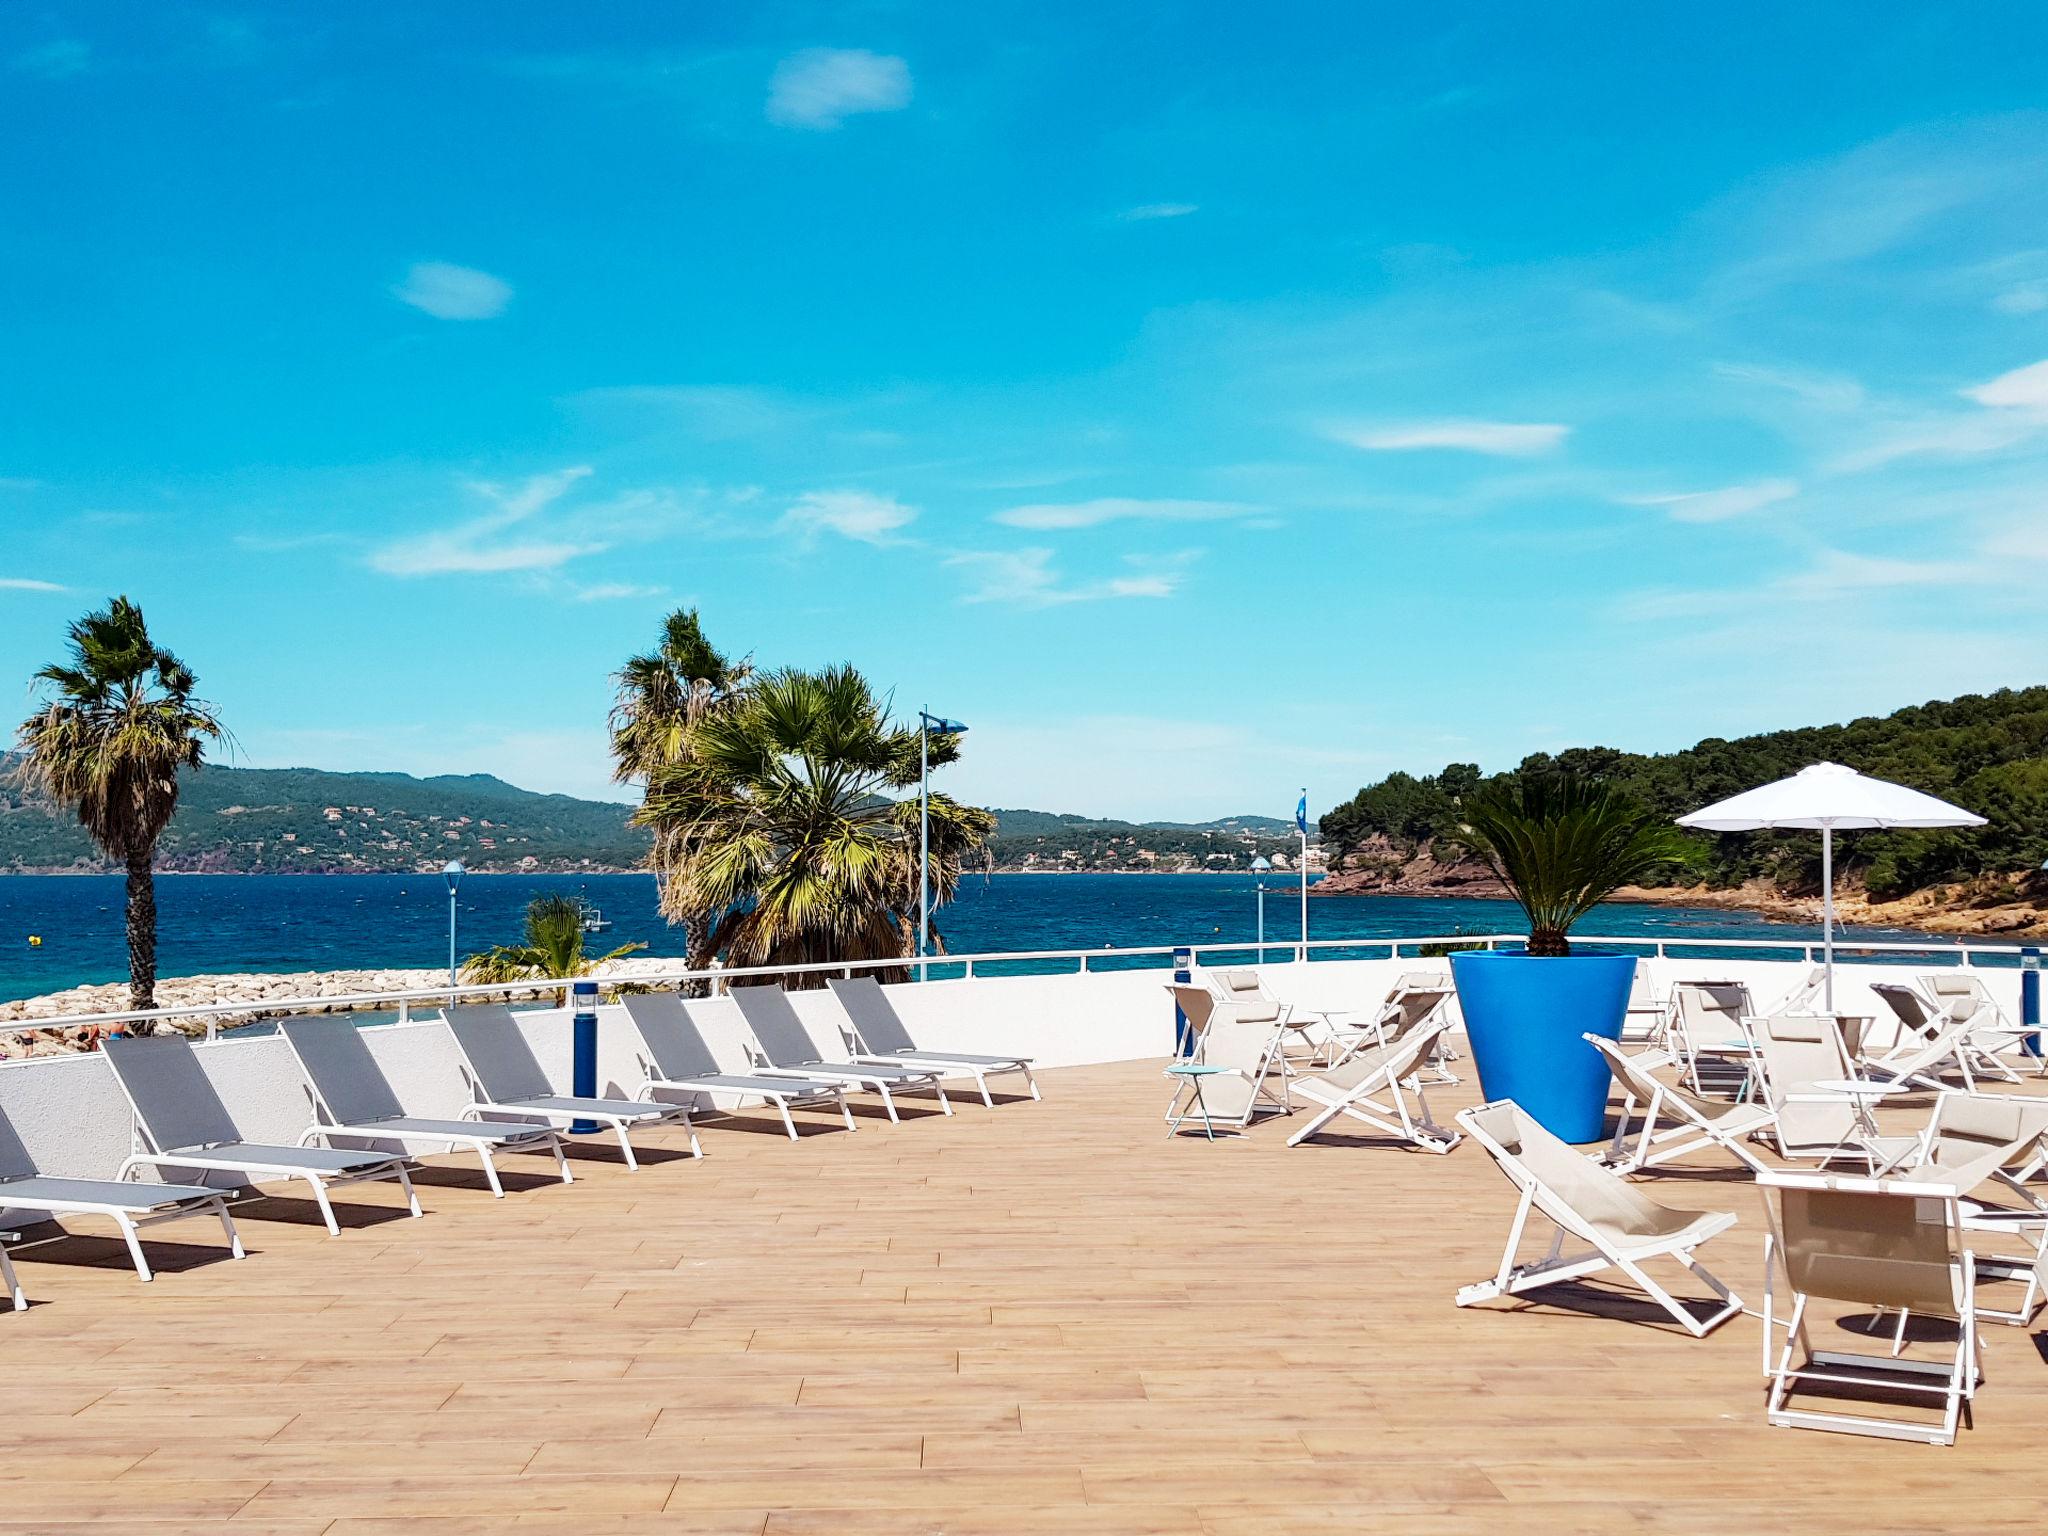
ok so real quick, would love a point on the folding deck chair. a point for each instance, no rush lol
(1930, 1036)
(880, 1037)
(677, 1058)
(351, 1090)
(1622, 1227)
(1416, 998)
(1243, 1043)
(130, 1204)
(1888, 1244)
(1800, 1051)
(1694, 1122)
(506, 1078)
(180, 1122)
(1349, 1089)
(1707, 1019)
(1963, 995)
(786, 1050)
(1995, 1140)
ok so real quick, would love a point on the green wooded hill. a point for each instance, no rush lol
(1046, 840)
(273, 820)
(1985, 752)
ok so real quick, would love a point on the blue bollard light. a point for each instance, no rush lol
(1183, 975)
(583, 1047)
(2030, 998)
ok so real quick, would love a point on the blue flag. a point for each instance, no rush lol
(1301, 814)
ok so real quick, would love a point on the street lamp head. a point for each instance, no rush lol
(942, 726)
(452, 872)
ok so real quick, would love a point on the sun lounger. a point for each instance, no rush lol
(180, 1122)
(130, 1204)
(786, 1051)
(1349, 1090)
(677, 1058)
(881, 1037)
(1240, 1040)
(1888, 1244)
(1622, 1227)
(1694, 1122)
(350, 1089)
(1931, 1037)
(508, 1079)
(1707, 1023)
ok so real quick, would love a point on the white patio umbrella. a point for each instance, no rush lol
(1828, 798)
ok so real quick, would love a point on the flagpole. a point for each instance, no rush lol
(1301, 824)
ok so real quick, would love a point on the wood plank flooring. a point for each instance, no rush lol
(1043, 1317)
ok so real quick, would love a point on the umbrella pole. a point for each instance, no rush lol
(1827, 909)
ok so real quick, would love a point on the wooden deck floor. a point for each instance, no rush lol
(1046, 1317)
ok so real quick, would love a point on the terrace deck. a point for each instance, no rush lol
(1048, 1317)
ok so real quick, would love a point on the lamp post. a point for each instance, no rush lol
(452, 873)
(926, 724)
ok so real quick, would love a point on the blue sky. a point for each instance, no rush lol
(1198, 401)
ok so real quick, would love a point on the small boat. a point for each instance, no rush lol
(594, 920)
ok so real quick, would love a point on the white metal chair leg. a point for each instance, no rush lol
(134, 1241)
(626, 1147)
(13, 1285)
(412, 1198)
(227, 1225)
(490, 1171)
(319, 1188)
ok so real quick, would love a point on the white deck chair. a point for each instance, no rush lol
(1622, 1227)
(1245, 989)
(180, 1122)
(1888, 1244)
(506, 1078)
(1707, 1021)
(1963, 995)
(350, 1089)
(785, 1049)
(1416, 998)
(1800, 1051)
(677, 1057)
(1350, 1090)
(1803, 993)
(1242, 1040)
(1648, 1017)
(879, 1035)
(2003, 1141)
(1931, 1035)
(130, 1204)
(1694, 1122)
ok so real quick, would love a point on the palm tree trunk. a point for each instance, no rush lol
(697, 951)
(141, 933)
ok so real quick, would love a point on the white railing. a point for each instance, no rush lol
(1958, 951)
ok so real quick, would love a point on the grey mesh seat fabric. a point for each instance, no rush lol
(1890, 1244)
(677, 1058)
(350, 1089)
(180, 1122)
(506, 1078)
(130, 1204)
(1622, 1227)
(1694, 1121)
(880, 1036)
(785, 1049)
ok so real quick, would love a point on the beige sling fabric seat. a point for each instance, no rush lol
(1416, 998)
(1963, 995)
(1351, 1090)
(1889, 1244)
(1694, 1122)
(1931, 1039)
(1708, 1023)
(1622, 1227)
(1245, 1042)
(2001, 1141)
(1801, 1051)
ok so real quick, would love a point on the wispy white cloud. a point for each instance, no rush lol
(1835, 574)
(1823, 391)
(491, 543)
(862, 515)
(1502, 439)
(1115, 509)
(2022, 299)
(449, 292)
(2023, 389)
(614, 591)
(820, 88)
(1148, 211)
(1027, 578)
(1718, 506)
(29, 584)
(58, 59)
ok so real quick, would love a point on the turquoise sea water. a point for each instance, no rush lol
(214, 923)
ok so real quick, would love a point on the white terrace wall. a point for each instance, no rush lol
(71, 1116)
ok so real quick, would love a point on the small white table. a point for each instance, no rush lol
(1192, 1073)
(1863, 1087)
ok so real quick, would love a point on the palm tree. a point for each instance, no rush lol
(1562, 844)
(787, 801)
(109, 744)
(660, 696)
(553, 947)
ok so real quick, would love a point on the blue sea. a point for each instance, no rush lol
(231, 923)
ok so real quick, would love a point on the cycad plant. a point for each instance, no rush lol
(553, 947)
(119, 724)
(788, 803)
(1562, 844)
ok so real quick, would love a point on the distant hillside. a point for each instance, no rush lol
(1031, 840)
(275, 820)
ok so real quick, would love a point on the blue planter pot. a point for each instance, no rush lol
(1525, 1015)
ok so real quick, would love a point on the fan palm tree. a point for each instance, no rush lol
(659, 697)
(788, 802)
(1562, 844)
(553, 947)
(109, 741)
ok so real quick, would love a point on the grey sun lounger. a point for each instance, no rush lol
(786, 1049)
(883, 1038)
(350, 1089)
(130, 1204)
(180, 1122)
(678, 1059)
(508, 1079)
